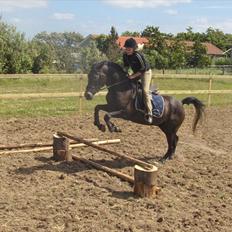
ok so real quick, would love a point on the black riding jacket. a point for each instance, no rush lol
(136, 61)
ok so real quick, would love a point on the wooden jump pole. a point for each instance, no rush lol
(37, 145)
(111, 171)
(81, 140)
(49, 148)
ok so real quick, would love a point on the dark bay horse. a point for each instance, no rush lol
(120, 103)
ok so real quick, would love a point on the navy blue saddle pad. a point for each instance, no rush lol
(157, 105)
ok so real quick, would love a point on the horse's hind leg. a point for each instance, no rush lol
(171, 146)
(96, 116)
(110, 125)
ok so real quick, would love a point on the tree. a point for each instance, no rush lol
(63, 45)
(177, 58)
(132, 34)
(44, 58)
(113, 51)
(14, 54)
(157, 49)
(88, 56)
(198, 57)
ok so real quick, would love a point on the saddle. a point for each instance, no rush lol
(156, 100)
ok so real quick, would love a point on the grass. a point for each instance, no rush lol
(70, 105)
(40, 85)
(46, 106)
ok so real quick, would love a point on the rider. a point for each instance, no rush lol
(141, 70)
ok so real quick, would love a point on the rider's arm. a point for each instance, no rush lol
(141, 64)
(135, 75)
(125, 63)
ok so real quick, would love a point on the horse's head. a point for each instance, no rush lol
(97, 78)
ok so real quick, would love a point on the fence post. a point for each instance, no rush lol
(81, 95)
(209, 89)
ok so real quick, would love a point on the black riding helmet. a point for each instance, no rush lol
(130, 43)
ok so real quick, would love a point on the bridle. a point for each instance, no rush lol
(115, 84)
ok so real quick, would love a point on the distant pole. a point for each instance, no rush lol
(209, 89)
(80, 97)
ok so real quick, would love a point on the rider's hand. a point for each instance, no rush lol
(130, 77)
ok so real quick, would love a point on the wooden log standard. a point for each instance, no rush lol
(61, 148)
(145, 181)
(134, 160)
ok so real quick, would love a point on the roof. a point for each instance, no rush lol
(122, 39)
(210, 48)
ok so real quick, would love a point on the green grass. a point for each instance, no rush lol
(214, 71)
(70, 105)
(40, 85)
(46, 106)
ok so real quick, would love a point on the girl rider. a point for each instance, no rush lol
(141, 70)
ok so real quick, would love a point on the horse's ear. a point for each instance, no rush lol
(105, 67)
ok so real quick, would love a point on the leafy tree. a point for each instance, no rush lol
(102, 43)
(132, 34)
(14, 54)
(157, 42)
(63, 45)
(177, 58)
(44, 59)
(113, 51)
(198, 57)
(88, 56)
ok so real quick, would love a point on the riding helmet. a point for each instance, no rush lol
(130, 43)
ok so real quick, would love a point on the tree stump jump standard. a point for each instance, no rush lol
(61, 148)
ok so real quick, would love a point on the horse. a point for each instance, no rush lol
(121, 104)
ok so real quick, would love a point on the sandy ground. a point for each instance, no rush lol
(38, 194)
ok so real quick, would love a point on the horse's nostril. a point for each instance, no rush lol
(88, 95)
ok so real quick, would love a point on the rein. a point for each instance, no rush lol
(115, 84)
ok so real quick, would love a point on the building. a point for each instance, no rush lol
(212, 50)
(141, 41)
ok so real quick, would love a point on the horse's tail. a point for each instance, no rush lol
(199, 108)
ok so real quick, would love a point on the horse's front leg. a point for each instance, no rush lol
(110, 125)
(96, 116)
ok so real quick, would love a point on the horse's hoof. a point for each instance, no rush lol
(162, 160)
(102, 128)
(117, 129)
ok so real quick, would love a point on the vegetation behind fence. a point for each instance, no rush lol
(43, 95)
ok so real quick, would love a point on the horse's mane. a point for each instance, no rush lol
(116, 66)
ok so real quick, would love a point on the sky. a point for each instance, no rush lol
(97, 16)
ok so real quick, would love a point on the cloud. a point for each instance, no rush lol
(202, 24)
(16, 20)
(144, 3)
(217, 7)
(63, 16)
(171, 12)
(9, 5)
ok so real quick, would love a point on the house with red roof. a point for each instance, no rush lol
(212, 50)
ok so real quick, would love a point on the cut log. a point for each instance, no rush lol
(111, 171)
(145, 181)
(76, 145)
(61, 148)
(134, 160)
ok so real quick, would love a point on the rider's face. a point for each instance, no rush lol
(129, 51)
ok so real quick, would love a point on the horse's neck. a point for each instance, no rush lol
(113, 77)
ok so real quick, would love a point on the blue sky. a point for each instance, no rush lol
(97, 16)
